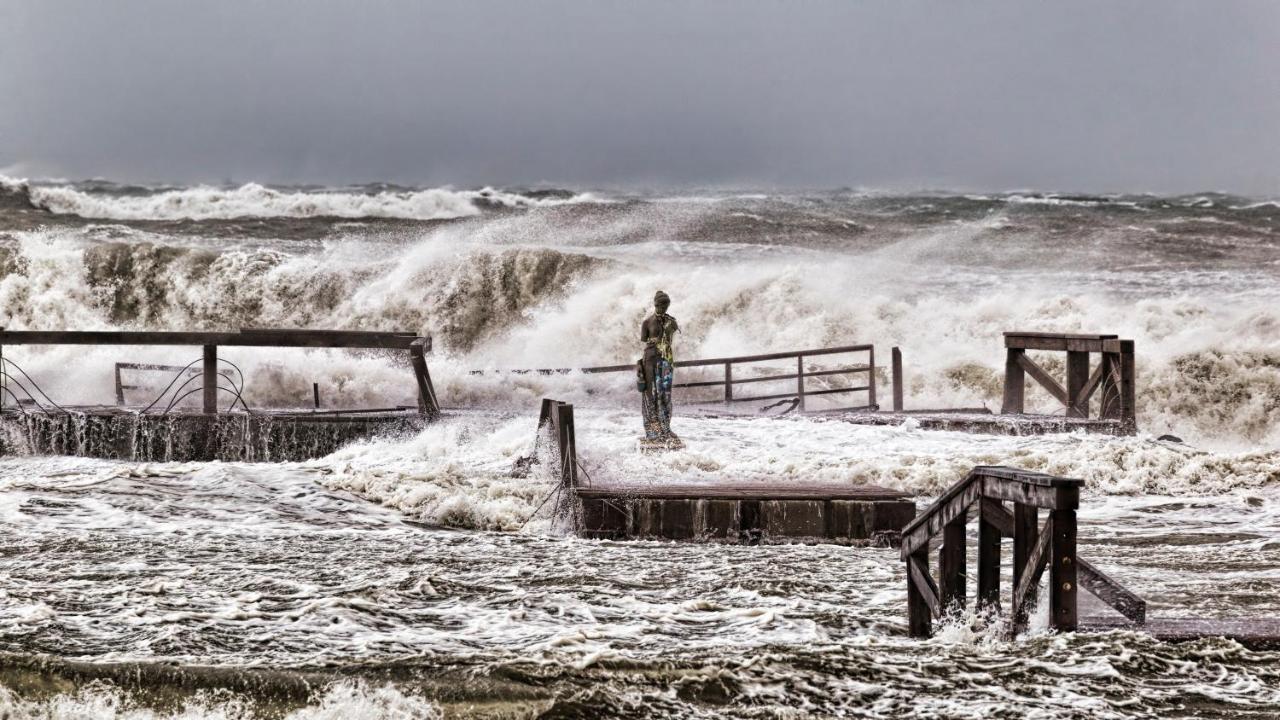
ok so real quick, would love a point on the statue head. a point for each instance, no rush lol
(661, 301)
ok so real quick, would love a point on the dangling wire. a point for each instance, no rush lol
(164, 392)
(8, 362)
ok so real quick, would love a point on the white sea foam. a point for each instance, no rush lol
(254, 200)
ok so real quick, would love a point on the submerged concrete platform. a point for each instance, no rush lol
(117, 433)
(1254, 633)
(745, 512)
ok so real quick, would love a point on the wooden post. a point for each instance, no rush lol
(1026, 532)
(919, 616)
(728, 382)
(315, 395)
(210, 379)
(871, 379)
(427, 404)
(119, 387)
(951, 564)
(1015, 383)
(1128, 387)
(897, 381)
(988, 560)
(1062, 572)
(568, 445)
(1108, 392)
(800, 379)
(1077, 376)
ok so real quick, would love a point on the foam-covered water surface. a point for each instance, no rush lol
(416, 576)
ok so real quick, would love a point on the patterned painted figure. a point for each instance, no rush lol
(657, 332)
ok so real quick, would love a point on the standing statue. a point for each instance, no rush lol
(656, 372)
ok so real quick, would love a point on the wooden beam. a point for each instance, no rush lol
(919, 614)
(1085, 393)
(1015, 382)
(1063, 609)
(1020, 492)
(1026, 533)
(949, 506)
(1031, 571)
(988, 560)
(951, 565)
(996, 513)
(210, 380)
(1077, 377)
(897, 379)
(918, 566)
(1111, 592)
(1041, 376)
(250, 338)
(427, 402)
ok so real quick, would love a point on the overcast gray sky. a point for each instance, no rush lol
(1164, 96)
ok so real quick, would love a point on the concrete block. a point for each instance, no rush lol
(894, 514)
(793, 518)
(678, 518)
(851, 520)
(718, 519)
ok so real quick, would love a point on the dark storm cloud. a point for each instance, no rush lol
(1165, 96)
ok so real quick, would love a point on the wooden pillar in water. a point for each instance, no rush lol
(427, 403)
(871, 381)
(897, 379)
(1063, 585)
(1077, 377)
(988, 559)
(1128, 386)
(1015, 383)
(210, 379)
(919, 615)
(951, 564)
(1026, 533)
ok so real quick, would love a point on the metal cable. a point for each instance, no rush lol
(166, 390)
(7, 361)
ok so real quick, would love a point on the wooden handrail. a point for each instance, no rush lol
(244, 338)
(1113, 376)
(1037, 548)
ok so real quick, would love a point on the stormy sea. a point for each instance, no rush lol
(416, 576)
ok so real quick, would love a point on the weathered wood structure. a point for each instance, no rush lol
(729, 511)
(1113, 377)
(1037, 547)
(163, 430)
(1111, 380)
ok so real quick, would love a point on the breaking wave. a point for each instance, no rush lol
(253, 200)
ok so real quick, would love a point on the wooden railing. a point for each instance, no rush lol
(1113, 377)
(1035, 548)
(254, 337)
(730, 380)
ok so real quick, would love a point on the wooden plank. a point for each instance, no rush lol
(1026, 533)
(209, 382)
(1077, 377)
(1063, 608)
(1030, 477)
(1085, 393)
(1061, 336)
(800, 380)
(259, 338)
(897, 379)
(1020, 492)
(918, 566)
(871, 380)
(919, 614)
(1015, 381)
(1024, 593)
(1041, 376)
(996, 513)
(427, 402)
(1111, 592)
(924, 527)
(988, 560)
(951, 564)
